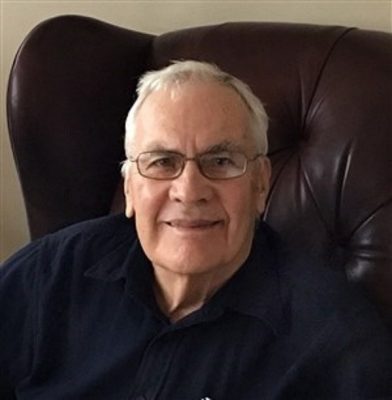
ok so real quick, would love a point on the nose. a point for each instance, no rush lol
(191, 186)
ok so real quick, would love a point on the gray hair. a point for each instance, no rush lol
(183, 71)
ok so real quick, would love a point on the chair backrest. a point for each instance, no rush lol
(327, 90)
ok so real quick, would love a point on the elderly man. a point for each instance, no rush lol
(186, 298)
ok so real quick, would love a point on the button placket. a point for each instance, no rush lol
(155, 366)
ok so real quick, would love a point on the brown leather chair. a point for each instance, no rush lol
(327, 90)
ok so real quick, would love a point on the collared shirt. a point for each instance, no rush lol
(79, 321)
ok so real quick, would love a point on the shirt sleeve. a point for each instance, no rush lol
(18, 287)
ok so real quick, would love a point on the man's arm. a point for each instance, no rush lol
(18, 296)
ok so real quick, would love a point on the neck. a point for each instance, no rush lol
(178, 295)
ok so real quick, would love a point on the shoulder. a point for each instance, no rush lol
(112, 225)
(335, 334)
(85, 241)
(319, 296)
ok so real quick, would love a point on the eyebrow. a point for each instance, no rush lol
(158, 146)
(225, 145)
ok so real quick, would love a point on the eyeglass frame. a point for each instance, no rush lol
(196, 160)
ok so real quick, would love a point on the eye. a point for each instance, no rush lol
(162, 161)
(223, 165)
(219, 160)
(222, 161)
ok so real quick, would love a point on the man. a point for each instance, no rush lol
(186, 298)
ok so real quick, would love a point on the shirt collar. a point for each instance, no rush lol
(126, 260)
(118, 255)
(259, 289)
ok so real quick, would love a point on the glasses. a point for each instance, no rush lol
(165, 165)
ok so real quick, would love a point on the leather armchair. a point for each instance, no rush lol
(327, 90)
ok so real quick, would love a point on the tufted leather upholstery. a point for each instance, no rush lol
(327, 90)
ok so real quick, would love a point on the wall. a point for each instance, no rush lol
(17, 18)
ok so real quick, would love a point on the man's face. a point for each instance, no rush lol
(191, 224)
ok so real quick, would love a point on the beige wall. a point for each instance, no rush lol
(17, 18)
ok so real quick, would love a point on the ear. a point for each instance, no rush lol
(263, 183)
(128, 196)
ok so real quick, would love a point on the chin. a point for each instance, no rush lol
(190, 262)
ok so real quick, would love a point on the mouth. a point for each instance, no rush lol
(193, 225)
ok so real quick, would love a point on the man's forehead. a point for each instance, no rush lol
(214, 92)
(211, 115)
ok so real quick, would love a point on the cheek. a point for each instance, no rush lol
(147, 206)
(148, 200)
(144, 191)
(241, 207)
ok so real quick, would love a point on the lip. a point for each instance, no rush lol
(193, 224)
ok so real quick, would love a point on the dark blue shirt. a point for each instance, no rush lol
(79, 321)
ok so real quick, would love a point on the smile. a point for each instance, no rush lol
(193, 224)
